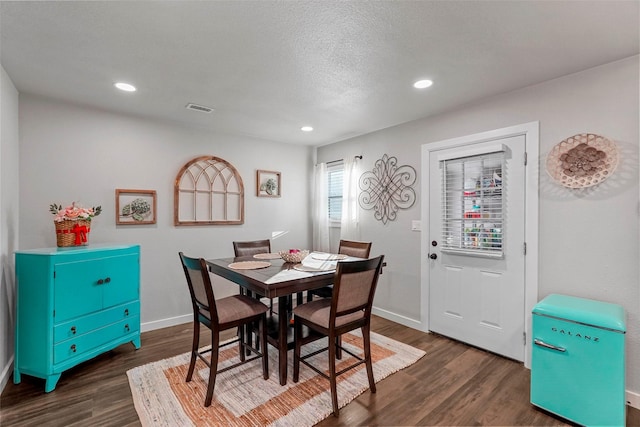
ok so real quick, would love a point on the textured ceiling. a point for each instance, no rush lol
(269, 67)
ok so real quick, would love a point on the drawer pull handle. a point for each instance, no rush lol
(73, 348)
(107, 280)
(73, 330)
(549, 346)
(100, 281)
(126, 311)
(126, 327)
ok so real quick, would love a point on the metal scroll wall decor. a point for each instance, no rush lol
(387, 188)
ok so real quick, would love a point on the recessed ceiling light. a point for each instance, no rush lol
(125, 87)
(306, 128)
(421, 84)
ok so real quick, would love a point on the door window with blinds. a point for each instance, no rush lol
(472, 205)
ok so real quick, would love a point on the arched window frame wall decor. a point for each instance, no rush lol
(223, 182)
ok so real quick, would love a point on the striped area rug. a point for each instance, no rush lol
(243, 398)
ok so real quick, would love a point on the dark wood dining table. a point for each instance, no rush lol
(279, 280)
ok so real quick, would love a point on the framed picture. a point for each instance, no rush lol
(268, 184)
(134, 207)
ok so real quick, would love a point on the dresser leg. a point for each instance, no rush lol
(136, 342)
(16, 376)
(51, 382)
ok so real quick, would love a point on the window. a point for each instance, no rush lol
(472, 205)
(334, 186)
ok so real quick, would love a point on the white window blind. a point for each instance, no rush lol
(335, 174)
(472, 205)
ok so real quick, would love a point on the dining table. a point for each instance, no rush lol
(275, 278)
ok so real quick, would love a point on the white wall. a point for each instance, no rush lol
(69, 153)
(8, 218)
(588, 239)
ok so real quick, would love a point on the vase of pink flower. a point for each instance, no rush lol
(73, 223)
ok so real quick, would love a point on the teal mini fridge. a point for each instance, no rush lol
(577, 363)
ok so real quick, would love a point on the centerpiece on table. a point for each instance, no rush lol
(73, 223)
(294, 255)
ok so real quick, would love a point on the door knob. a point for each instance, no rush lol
(433, 256)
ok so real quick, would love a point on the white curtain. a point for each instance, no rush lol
(350, 224)
(320, 214)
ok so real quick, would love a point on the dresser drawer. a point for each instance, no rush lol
(84, 324)
(83, 343)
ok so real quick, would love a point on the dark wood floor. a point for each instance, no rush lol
(453, 385)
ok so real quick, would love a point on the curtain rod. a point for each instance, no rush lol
(340, 160)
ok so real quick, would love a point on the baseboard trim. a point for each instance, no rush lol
(165, 323)
(6, 374)
(403, 320)
(633, 399)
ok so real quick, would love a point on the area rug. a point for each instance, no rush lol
(243, 398)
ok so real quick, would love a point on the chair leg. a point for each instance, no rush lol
(289, 307)
(309, 296)
(299, 299)
(339, 347)
(297, 329)
(367, 356)
(248, 336)
(194, 348)
(241, 342)
(262, 332)
(332, 376)
(213, 369)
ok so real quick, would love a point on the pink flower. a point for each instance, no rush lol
(73, 212)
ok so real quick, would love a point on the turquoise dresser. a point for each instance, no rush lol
(73, 304)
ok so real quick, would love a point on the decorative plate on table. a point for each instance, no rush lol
(271, 255)
(582, 160)
(329, 257)
(249, 265)
(301, 267)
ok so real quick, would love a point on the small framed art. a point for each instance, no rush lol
(135, 207)
(268, 183)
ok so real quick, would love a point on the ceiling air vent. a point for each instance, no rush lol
(200, 108)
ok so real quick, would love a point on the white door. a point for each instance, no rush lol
(476, 241)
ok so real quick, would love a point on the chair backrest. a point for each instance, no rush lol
(252, 247)
(354, 287)
(354, 249)
(199, 281)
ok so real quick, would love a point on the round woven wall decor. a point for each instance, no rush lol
(582, 160)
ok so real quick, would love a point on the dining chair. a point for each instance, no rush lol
(250, 248)
(234, 311)
(253, 247)
(349, 308)
(346, 247)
